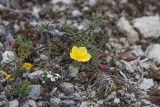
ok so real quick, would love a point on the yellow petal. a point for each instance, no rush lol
(73, 56)
(82, 51)
(74, 50)
(85, 58)
(27, 66)
(6, 75)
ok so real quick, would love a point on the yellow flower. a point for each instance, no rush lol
(27, 66)
(80, 54)
(6, 75)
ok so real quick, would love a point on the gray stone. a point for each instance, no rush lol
(116, 100)
(73, 71)
(138, 104)
(92, 2)
(32, 103)
(128, 30)
(67, 103)
(2, 103)
(153, 52)
(68, 2)
(146, 84)
(67, 88)
(129, 66)
(13, 103)
(54, 102)
(43, 57)
(84, 104)
(148, 26)
(76, 13)
(42, 104)
(111, 96)
(26, 104)
(93, 94)
(35, 75)
(35, 93)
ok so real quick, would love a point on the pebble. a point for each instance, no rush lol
(146, 84)
(68, 2)
(2, 103)
(92, 2)
(73, 71)
(100, 101)
(93, 94)
(67, 103)
(138, 52)
(116, 100)
(35, 75)
(84, 104)
(26, 104)
(76, 13)
(43, 57)
(67, 88)
(54, 101)
(149, 26)
(153, 52)
(7, 56)
(35, 93)
(32, 103)
(138, 104)
(129, 66)
(111, 96)
(128, 30)
(13, 103)
(42, 104)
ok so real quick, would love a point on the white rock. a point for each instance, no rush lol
(129, 66)
(138, 52)
(92, 2)
(35, 75)
(84, 104)
(100, 101)
(148, 26)
(76, 13)
(43, 57)
(55, 101)
(7, 56)
(116, 101)
(32, 103)
(128, 30)
(146, 84)
(80, 27)
(73, 71)
(13, 103)
(111, 96)
(153, 52)
(35, 93)
(68, 2)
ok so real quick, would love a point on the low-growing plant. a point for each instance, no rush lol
(23, 89)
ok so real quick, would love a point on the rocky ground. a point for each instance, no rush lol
(122, 37)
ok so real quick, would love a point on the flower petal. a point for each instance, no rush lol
(74, 50)
(82, 51)
(85, 57)
(27, 66)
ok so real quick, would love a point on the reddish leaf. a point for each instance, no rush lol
(129, 59)
(104, 67)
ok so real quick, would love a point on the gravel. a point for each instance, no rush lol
(125, 34)
(67, 88)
